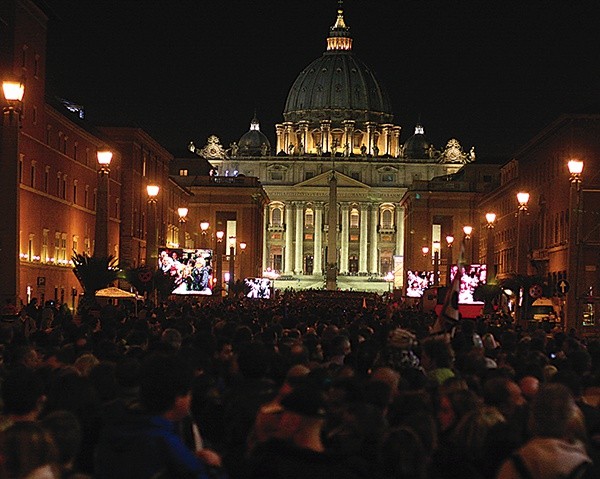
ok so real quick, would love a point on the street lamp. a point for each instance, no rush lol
(521, 256)
(101, 230)
(425, 250)
(204, 225)
(182, 212)
(10, 191)
(151, 228)
(467, 230)
(523, 200)
(231, 264)
(575, 170)
(489, 259)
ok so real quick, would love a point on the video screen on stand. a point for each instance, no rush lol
(259, 288)
(189, 269)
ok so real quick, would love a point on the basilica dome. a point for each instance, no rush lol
(254, 142)
(338, 86)
(417, 146)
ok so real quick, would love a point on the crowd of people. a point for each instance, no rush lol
(301, 385)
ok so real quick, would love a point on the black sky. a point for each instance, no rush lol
(491, 74)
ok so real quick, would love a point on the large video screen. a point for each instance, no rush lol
(417, 282)
(189, 269)
(259, 288)
(472, 276)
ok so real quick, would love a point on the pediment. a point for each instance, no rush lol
(322, 180)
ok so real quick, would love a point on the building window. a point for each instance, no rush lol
(75, 192)
(44, 255)
(56, 246)
(30, 247)
(354, 218)
(75, 151)
(75, 242)
(387, 219)
(58, 183)
(63, 247)
(388, 178)
(64, 188)
(276, 175)
(309, 218)
(86, 196)
(308, 175)
(183, 172)
(86, 245)
(276, 215)
(32, 173)
(46, 179)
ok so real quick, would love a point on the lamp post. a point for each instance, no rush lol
(243, 246)
(489, 257)
(9, 191)
(521, 256)
(182, 212)
(449, 243)
(219, 273)
(467, 230)
(151, 228)
(572, 317)
(101, 230)
(231, 264)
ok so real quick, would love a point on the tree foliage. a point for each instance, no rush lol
(95, 272)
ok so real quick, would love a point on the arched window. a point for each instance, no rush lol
(276, 215)
(387, 218)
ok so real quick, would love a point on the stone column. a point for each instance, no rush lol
(325, 131)
(363, 240)
(265, 250)
(399, 272)
(318, 240)
(370, 137)
(374, 237)
(299, 256)
(303, 127)
(399, 220)
(288, 262)
(344, 238)
(396, 143)
(289, 137)
(280, 142)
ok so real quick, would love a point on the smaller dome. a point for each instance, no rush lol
(417, 146)
(254, 142)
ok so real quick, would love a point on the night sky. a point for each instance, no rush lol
(491, 74)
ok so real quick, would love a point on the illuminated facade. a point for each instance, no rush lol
(337, 116)
(559, 234)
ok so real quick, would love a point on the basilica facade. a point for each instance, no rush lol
(337, 118)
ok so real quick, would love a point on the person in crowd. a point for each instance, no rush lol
(28, 452)
(143, 443)
(298, 451)
(22, 397)
(557, 447)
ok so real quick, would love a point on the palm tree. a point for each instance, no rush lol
(94, 273)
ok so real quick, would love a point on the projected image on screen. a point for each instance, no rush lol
(189, 269)
(258, 288)
(417, 282)
(472, 276)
